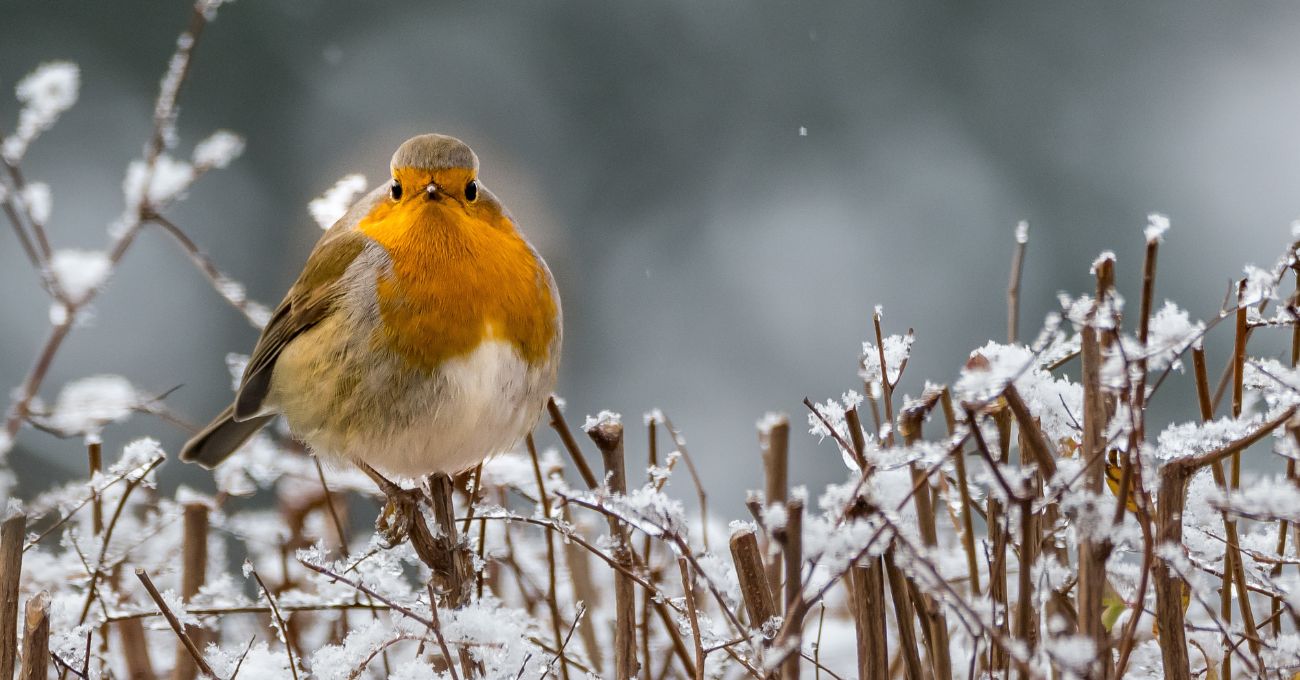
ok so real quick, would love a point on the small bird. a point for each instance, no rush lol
(422, 336)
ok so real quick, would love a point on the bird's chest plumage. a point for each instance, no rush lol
(427, 367)
(448, 289)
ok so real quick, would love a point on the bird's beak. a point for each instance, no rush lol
(431, 191)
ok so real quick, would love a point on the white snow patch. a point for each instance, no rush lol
(331, 205)
(218, 150)
(1157, 225)
(78, 272)
(86, 405)
(45, 94)
(167, 181)
(36, 199)
(602, 418)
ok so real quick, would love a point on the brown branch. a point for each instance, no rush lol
(279, 622)
(1013, 286)
(208, 268)
(174, 622)
(194, 565)
(11, 566)
(551, 604)
(608, 436)
(688, 587)
(36, 638)
(561, 428)
(753, 581)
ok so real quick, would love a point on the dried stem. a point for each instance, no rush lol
(753, 581)
(688, 587)
(570, 444)
(867, 587)
(175, 623)
(1094, 550)
(36, 637)
(608, 436)
(11, 565)
(280, 623)
(194, 567)
(551, 604)
(791, 539)
(1013, 286)
(774, 442)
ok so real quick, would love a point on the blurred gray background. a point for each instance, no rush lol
(713, 260)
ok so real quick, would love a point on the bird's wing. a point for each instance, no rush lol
(312, 297)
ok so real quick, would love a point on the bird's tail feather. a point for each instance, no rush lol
(221, 438)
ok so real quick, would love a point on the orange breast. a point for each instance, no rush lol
(458, 279)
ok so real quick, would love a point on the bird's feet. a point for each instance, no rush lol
(402, 520)
(401, 511)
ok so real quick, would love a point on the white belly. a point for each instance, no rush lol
(404, 424)
(480, 405)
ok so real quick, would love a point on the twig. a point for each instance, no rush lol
(334, 513)
(608, 436)
(753, 582)
(280, 623)
(791, 539)
(561, 428)
(194, 565)
(252, 311)
(36, 637)
(688, 588)
(11, 566)
(437, 634)
(559, 654)
(175, 623)
(361, 587)
(1013, 286)
(774, 443)
(551, 603)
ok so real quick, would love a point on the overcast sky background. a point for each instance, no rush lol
(713, 261)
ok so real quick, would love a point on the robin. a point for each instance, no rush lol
(422, 336)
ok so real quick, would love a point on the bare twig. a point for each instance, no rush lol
(175, 623)
(281, 625)
(36, 637)
(688, 587)
(608, 436)
(11, 566)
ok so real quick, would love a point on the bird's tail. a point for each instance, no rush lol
(221, 438)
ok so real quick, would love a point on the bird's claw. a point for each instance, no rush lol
(399, 514)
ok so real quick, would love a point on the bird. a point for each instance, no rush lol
(423, 335)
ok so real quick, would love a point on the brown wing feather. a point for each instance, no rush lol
(310, 299)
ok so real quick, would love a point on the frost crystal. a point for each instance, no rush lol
(45, 94)
(79, 271)
(1260, 286)
(897, 349)
(1022, 232)
(167, 181)
(1191, 439)
(1171, 333)
(602, 418)
(1157, 225)
(36, 199)
(771, 420)
(330, 206)
(86, 405)
(218, 150)
(1266, 499)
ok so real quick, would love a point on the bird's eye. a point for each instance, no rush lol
(471, 191)
(395, 190)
